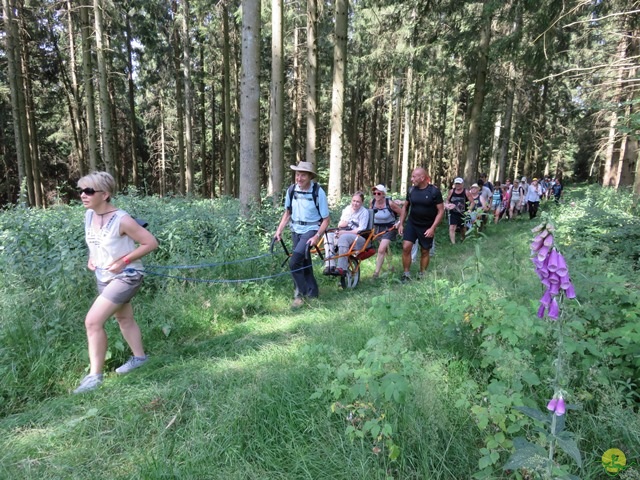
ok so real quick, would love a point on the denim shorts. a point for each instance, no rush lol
(120, 290)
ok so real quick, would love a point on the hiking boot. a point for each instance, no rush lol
(339, 272)
(420, 275)
(297, 303)
(326, 271)
(405, 278)
(131, 364)
(89, 383)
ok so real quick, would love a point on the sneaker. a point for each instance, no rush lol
(339, 272)
(405, 278)
(326, 271)
(297, 302)
(132, 364)
(88, 383)
(420, 275)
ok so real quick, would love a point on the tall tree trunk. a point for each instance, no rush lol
(78, 130)
(16, 91)
(397, 131)
(163, 150)
(312, 71)
(179, 85)
(226, 93)
(473, 140)
(609, 178)
(250, 106)
(505, 139)
(353, 154)
(404, 176)
(105, 104)
(276, 179)
(202, 117)
(87, 78)
(133, 129)
(337, 101)
(297, 97)
(188, 95)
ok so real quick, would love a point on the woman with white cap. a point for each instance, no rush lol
(385, 215)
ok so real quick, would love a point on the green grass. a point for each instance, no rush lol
(240, 387)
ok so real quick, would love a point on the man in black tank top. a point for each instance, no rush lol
(424, 208)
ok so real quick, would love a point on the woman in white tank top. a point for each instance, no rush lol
(116, 244)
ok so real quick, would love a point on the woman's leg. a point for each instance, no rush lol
(382, 251)
(130, 329)
(94, 322)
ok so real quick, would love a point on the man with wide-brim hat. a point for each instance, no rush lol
(307, 214)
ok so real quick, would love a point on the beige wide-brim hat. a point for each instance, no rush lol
(304, 167)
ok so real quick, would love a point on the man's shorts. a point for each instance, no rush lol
(412, 233)
(120, 290)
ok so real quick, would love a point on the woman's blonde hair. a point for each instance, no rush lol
(99, 181)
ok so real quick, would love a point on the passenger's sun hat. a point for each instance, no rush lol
(304, 167)
(380, 188)
(475, 185)
(458, 180)
(534, 179)
(523, 179)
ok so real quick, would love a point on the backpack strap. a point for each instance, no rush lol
(314, 195)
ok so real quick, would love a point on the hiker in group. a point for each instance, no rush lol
(423, 209)
(525, 188)
(306, 210)
(475, 206)
(557, 190)
(534, 193)
(385, 216)
(484, 177)
(458, 201)
(486, 202)
(496, 202)
(354, 219)
(504, 206)
(517, 197)
(111, 235)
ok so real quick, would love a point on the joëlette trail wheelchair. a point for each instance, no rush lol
(351, 276)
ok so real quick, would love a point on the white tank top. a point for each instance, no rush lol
(106, 245)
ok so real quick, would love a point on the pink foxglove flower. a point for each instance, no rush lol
(561, 268)
(546, 299)
(561, 407)
(554, 288)
(554, 309)
(548, 241)
(552, 405)
(552, 261)
(570, 291)
(541, 311)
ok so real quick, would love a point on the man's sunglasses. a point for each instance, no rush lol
(89, 191)
(378, 193)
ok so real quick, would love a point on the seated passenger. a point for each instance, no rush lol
(354, 220)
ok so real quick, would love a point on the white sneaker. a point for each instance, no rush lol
(132, 364)
(89, 383)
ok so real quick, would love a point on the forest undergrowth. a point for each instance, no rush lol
(436, 379)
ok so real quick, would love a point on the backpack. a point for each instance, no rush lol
(314, 194)
(388, 206)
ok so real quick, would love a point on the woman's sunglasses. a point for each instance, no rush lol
(89, 191)
(378, 193)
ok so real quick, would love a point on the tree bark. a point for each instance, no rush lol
(226, 93)
(133, 128)
(179, 86)
(337, 101)
(276, 179)
(473, 140)
(250, 107)
(105, 104)
(312, 71)
(188, 96)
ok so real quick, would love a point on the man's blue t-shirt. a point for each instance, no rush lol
(304, 214)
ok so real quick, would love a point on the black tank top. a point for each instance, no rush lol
(459, 200)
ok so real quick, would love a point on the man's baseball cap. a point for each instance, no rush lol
(380, 188)
(458, 180)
